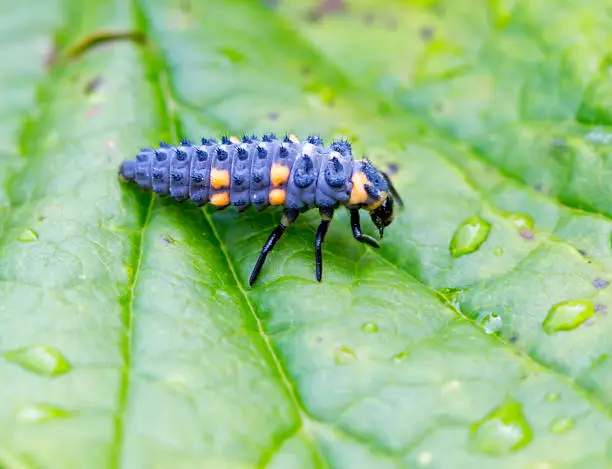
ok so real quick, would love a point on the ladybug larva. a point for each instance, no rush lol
(270, 171)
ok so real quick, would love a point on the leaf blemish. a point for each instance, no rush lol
(600, 284)
(93, 85)
(426, 33)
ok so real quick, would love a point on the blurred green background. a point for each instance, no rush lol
(477, 336)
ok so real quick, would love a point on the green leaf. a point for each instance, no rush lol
(129, 334)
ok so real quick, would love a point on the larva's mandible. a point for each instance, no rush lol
(269, 172)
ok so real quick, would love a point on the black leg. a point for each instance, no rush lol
(356, 227)
(321, 232)
(326, 217)
(288, 218)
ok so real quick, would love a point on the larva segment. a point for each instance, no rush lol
(241, 175)
(334, 181)
(142, 170)
(301, 187)
(180, 167)
(260, 172)
(199, 181)
(282, 157)
(220, 173)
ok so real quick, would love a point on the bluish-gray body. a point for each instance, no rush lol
(258, 172)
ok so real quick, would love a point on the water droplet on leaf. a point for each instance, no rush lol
(561, 425)
(552, 397)
(498, 251)
(469, 236)
(502, 431)
(344, 355)
(40, 359)
(425, 458)
(40, 413)
(370, 327)
(492, 323)
(521, 220)
(567, 315)
(28, 236)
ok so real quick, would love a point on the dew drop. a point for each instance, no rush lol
(469, 236)
(492, 323)
(498, 251)
(344, 355)
(28, 236)
(40, 413)
(425, 458)
(567, 315)
(520, 220)
(502, 431)
(552, 396)
(40, 359)
(370, 327)
(561, 425)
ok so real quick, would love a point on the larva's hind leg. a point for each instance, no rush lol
(289, 217)
(357, 234)
(326, 218)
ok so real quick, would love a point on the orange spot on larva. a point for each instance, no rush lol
(234, 139)
(220, 199)
(294, 138)
(277, 196)
(279, 174)
(219, 178)
(358, 192)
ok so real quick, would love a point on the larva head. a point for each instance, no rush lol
(373, 191)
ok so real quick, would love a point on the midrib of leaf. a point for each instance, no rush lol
(126, 346)
(308, 424)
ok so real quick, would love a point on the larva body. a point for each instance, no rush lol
(268, 172)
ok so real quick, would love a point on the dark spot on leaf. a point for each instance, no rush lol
(538, 187)
(167, 240)
(601, 308)
(558, 143)
(326, 7)
(93, 85)
(391, 23)
(426, 33)
(582, 252)
(273, 116)
(589, 322)
(513, 339)
(393, 168)
(526, 234)
(600, 284)
(319, 339)
(368, 19)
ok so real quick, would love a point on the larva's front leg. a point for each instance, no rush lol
(357, 234)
